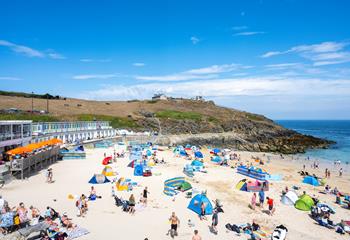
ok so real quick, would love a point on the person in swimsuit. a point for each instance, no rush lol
(132, 204)
(174, 224)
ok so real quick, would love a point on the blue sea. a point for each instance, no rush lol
(336, 130)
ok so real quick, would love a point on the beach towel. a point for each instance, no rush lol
(77, 232)
(261, 234)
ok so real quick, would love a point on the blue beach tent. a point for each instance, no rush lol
(216, 159)
(311, 180)
(138, 170)
(197, 163)
(99, 179)
(216, 150)
(198, 154)
(196, 203)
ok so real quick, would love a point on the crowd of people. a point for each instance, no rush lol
(56, 225)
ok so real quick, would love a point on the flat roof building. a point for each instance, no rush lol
(15, 133)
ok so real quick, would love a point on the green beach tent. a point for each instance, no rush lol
(185, 186)
(304, 203)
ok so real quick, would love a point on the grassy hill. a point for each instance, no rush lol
(180, 116)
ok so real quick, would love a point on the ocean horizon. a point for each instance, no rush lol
(335, 130)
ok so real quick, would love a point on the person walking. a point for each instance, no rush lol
(174, 224)
(145, 195)
(261, 198)
(271, 205)
(215, 221)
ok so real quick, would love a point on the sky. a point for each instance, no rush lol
(286, 59)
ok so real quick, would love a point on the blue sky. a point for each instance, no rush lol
(285, 59)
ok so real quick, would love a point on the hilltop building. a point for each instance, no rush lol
(159, 96)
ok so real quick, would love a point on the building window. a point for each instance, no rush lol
(5, 132)
(17, 131)
(26, 130)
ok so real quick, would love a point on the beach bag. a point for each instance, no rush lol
(16, 220)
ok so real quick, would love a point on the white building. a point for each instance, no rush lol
(159, 96)
(70, 132)
(14, 133)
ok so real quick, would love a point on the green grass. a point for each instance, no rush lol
(28, 116)
(152, 101)
(179, 115)
(213, 119)
(254, 117)
(116, 122)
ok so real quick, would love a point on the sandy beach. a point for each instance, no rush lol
(105, 220)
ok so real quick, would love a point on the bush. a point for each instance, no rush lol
(179, 115)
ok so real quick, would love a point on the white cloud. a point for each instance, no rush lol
(269, 85)
(95, 76)
(197, 73)
(138, 64)
(270, 54)
(30, 52)
(194, 40)
(324, 47)
(27, 51)
(284, 65)
(10, 78)
(248, 33)
(217, 69)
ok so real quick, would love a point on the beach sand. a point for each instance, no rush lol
(105, 220)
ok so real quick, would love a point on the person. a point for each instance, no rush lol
(79, 205)
(215, 221)
(35, 213)
(202, 215)
(144, 195)
(253, 201)
(326, 173)
(329, 174)
(261, 198)
(174, 224)
(22, 213)
(92, 195)
(47, 174)
(270, 204)
(196, 236)
(50, 175)
(340, 172)
(132, 204)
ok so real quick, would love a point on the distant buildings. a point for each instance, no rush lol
(14, 133)
(159, 96)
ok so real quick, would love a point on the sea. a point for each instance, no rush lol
(336, 130)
